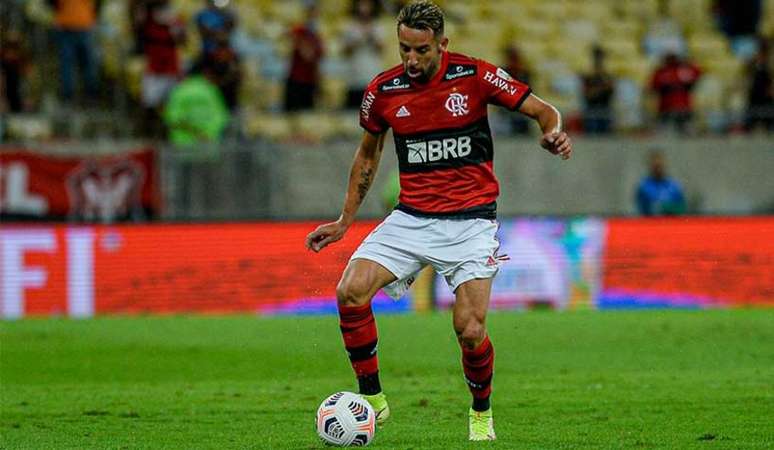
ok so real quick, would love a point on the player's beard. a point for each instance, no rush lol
(427, 73)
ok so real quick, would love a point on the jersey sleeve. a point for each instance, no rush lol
(371, 116)
(499, 88)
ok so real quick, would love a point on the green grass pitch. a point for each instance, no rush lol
(593, 380)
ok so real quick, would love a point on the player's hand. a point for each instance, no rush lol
(325, 234)
(557, 143)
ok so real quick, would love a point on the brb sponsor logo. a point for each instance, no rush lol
(437, 150)
(457, 104)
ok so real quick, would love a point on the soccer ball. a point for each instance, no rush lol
(345, 419)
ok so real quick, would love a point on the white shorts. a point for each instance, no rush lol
(460, 250)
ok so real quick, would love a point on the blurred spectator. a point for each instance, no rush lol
(739, 21)
(215, 22)
(664, 35)
(673, 82)
(597, 95)
(304, 74)
(13, 62)
(517, 68)
(196, 112)
(161, 31)
(363, 42)
(196, 116)
(658, 194)
(74, 23)
(738, 18)
(760, 107)
(225, 64)
(138, 12)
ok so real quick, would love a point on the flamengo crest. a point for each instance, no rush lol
(457, 104)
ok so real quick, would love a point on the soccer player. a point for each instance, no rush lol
(436, 103)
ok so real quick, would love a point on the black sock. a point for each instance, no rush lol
(369, 384)
(481, 404)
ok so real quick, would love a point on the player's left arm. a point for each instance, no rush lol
(554, 139)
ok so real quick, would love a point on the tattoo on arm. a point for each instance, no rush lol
(365, 182)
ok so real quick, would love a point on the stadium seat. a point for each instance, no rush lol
(709, 92)
(599, 12)
(639, 69)
(534, 30)
(345, 125)
(547, 12)
(334, 8)
(633, 67)
(575, 53)
(728, 69)
(628, 105)
(641, 11)
(286, 12)
(694, 15)
(709, 101)
(269, 94)
(533, 51)
(333, 92)
(314, 126)
(622, 30)
(579, 31)
(767, 19)
(466, 10)
(706, 46)
(621, 48)
(269, 126)
(24, 127)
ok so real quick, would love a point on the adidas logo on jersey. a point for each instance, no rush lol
(403, 112)
(436, 150)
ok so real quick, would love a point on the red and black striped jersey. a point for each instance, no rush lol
(442, 134)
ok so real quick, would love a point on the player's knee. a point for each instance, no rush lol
(471, 334)
(352, 291)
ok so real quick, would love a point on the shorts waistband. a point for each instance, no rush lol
(487, 211)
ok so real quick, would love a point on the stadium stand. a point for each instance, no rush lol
(555, 37)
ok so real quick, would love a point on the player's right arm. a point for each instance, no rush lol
(361, 176)
(499, 88)
(547, 116)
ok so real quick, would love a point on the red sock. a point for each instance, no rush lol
(478, 365)
(358, 328)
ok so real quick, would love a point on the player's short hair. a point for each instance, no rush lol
(422, 15)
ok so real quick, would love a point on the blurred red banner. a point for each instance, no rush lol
(688, 262)
(82, 271)
(103, 189)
